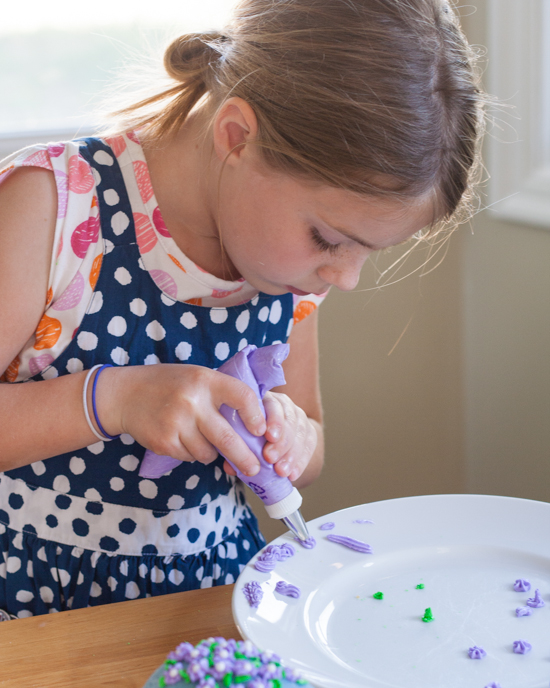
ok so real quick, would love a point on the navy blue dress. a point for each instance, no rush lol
(83, 529)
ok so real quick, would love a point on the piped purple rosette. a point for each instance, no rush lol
(524, 611)
(521, 647)
(522, 585)
(272, 554)
(536, 602)
(476, 652)
(253, 593)
(261, 370)
(284, 588)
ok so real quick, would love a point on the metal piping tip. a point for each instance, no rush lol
(297, 525)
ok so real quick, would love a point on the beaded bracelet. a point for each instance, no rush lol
(101, 428)
(85, 402)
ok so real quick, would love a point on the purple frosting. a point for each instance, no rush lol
(329, 525)
(536, 602)
(356, 545)
(307, 544)
(272, 554)
(476, 652)
(261, 370)
(253, 593)
(524, 611)
(287, 589)
(362, 520)
(522, 647)
(522, 585)
(494, 684)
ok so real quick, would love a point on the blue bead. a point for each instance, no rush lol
(95, 508)
(149, 549)
(211, 539)
(193, 534)
(218, 513)
(63, 502)
(80, 527)
(15, 501)
(51, 521)
(127, 526)
(109, 544)
(173, 530)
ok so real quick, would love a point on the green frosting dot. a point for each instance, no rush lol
(428, 616)
(420, 586)
(378, 595)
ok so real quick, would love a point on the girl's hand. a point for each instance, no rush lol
(172, 409)
(291, 436)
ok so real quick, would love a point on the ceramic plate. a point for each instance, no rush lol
(466, 550)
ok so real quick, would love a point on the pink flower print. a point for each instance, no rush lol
(85, 234)
(38, 159)
(221, 293)
(60, 247)
(132, 135)
(80, 176)
(159, 223)
(165, 282)
(117, 144)
(38, 363)
(62, 183)
(143, 180)
(145, 233)
(56, 149)
(71, 296)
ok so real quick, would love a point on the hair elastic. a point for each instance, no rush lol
(101, 428)
(85, 402)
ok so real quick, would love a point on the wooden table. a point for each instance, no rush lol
(112, 645)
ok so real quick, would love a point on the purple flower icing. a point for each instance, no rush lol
(362, 520)
(536, 602)
(272, 554)
(309, 543)
(522, 647)
(356, 545)
(522, 585)
(329, 525)
(253, 593)
(476, 652)
(288, 589)
(524, 611)
(494, 684)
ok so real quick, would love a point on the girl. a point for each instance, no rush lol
(213, 214)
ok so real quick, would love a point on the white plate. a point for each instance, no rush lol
(467, 550)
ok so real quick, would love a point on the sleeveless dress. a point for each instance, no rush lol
(82, 528)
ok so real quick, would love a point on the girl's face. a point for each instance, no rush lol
(282, 234)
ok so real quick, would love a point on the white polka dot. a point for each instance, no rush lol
(217, 472)
(206, 499)
(255, 300)
(120, 356)
(129, 462)
(77, 465)
(38, 467)
(263, 315)
(30, 569)
(54, 575)
(64, 577)
(246, 545)
(24, 614)
(41, 554)
(96, 303)
(229, 579)
(112, 583)
(166, 300)
(148, 489)
(143, 570)
(87, 341)
(95, 589)
(2, 569)
(80, 578)
(192, 482)
(18, 541)
(206, 582)
(242, 344)
(183, 351)
(46, 594)
(141, 265)
(117, 484)
(119, 222)
(122, 276)
(231, 550)
(123, 568)
(108, 246)
(176, 577)
(58, 551)
(96, 176)
(216, 571)
(61, 484)
(176, 502)
(138, 307)
(155, 331)
(13, 564)
(117, 326)
(242, 321)
(96, 447)
(70, 602)
(199, 572)
(157, 575)
(77, 552)
(103, 158)
(275, 312)
(188, 320)
(53, 610)
(152, 359)
(75, 365)
(222, 350)
(49, 373)
(111, 197)
(126, 439)
(276, 341)
(290, 326)
(218, 315)
(132, 590)
(92, 495)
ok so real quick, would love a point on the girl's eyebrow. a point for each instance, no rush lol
(352, 236)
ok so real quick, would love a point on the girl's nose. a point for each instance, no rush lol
(343, 274)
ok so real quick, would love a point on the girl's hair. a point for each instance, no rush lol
(378, 97)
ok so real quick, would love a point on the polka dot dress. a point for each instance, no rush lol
(83, 529)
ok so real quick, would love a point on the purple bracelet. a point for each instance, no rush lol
(101, 428)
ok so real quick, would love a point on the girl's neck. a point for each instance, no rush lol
(184, 173)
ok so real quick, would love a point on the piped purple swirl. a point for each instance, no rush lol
(476, 652)
(329, 525)
(536, 602)
(355, 545)
(522, 585)
(524, 611)
(288, 589)
(253, 593)
(272, 554)
(362, 520)
(307, 544)
(522, 647)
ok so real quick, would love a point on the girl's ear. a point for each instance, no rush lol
(235, 125)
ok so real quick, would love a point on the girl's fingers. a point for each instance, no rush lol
(238, 395)
(228, 442)
(228, 468)
(275, 417)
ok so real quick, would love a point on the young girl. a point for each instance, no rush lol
(214, 214)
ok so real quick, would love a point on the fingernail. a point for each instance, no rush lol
(275, 432)
(285, 468)
(253, 470)
(273, 455)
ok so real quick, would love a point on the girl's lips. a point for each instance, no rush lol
(298, 292)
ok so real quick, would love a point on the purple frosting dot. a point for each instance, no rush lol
(522, 647)
(522, 585)
(309, 543)
(536, 602)
(524, 611)
(362, 520)
(476, 652)
(356, 545)
(494, 684)
(329, 525)
(253, 593)
(288, 589)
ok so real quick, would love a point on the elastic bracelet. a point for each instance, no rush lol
(85, 402)
(102, 429)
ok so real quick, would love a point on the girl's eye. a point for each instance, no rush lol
(321, 243)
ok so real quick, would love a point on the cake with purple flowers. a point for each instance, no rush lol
(221, 663)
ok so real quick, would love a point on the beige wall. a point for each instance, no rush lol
(463, 402)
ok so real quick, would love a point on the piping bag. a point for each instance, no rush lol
(261, 370)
